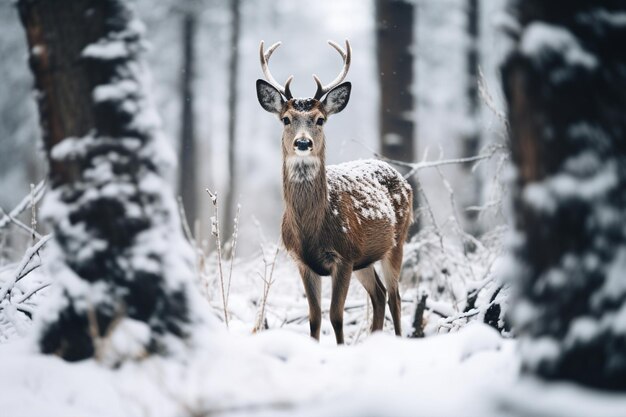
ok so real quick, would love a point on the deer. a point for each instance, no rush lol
(338, 219)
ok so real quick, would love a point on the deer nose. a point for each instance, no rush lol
(303, 144)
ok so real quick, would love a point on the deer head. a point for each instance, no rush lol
(303, 118)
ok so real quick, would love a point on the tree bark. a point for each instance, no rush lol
(394, 47)
(121, 259)
(233, 69)
(471, 140)
(188, 170)
(565, 86)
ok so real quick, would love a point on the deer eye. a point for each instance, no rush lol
(320, 121)
(286, 121)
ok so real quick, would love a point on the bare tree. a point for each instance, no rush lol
(566, 90)
(122, 258)
(188, 169)
(471, 140)
(233, 69)
(395, 38)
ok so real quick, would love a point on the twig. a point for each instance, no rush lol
(27, 271)
(19, 224)
(24, 204)
(364, 322)
(33, 215)
(464, 235)
(232, 252)
(32, 292)
(267, 283)
(185, 222)
(415, 167)
(483, 90)
(215, 231)
(8, 285)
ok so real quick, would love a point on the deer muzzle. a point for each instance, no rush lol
(303, 145)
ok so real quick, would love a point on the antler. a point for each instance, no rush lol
(265, 58)
(346, 56)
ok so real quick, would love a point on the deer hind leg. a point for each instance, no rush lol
(313, 289)
(341, 283)
(392, 263)
(370, 281)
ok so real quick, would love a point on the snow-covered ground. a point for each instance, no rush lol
(273, 372)
(280, 371)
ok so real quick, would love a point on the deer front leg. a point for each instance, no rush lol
(313, 289)
(341, 283)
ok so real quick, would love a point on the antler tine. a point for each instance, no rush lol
(265, 58)
(287, 87)
(347, 58)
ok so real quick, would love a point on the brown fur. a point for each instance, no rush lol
(313, 228)
(341, 219)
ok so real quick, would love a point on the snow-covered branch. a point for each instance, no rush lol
(30, 253)
(424, 163)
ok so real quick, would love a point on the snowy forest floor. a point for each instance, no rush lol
(471, 371)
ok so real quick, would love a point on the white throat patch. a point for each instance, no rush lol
(302, 168)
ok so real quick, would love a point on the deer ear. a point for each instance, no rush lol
(269, 97)
(337, 99)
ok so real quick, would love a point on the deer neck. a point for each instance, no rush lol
(306, 192)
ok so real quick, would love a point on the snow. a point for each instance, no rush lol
(618, 321)
(582, 330)
(281, 371)
(547, 194)
(273, 373)
(367, 182)
(541, 39)
(535, 398)
(127, 340)
(539, 350)
(109, 49)
(116, 92)
(614, 286)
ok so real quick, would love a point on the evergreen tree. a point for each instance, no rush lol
(122, 259)
(565, 83)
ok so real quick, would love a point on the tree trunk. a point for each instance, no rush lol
(471, 140)
(233, 69)
(122, 262)
(188, 170)
(394, 46)
(565, 85)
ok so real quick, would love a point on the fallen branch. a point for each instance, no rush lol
(418, 317)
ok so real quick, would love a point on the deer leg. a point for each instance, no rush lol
(392, 263)
(341, 283)
(370, 281)
(313, 289)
